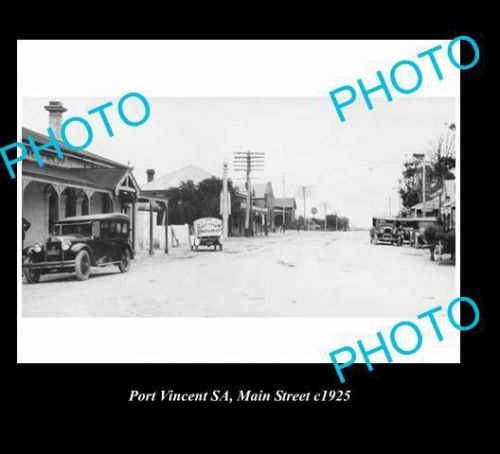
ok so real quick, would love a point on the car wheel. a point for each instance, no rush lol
(124, 265)
(32, 276)
(82, 266)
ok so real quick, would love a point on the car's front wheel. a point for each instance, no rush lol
(82, 266)
(32, 276)
(124, 265)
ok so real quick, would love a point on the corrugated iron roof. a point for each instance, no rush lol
(175, 178)
(287, 202)
(107, 179)
(41, 139)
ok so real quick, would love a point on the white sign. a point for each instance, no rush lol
(207, 227)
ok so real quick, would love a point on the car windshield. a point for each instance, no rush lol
(72, 229)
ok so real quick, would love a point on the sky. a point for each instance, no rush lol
(353, 167)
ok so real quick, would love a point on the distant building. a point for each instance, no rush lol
(448, 204)
(154, 212)
(313, 225)
(431, 209)
(175, 178)
(289, 205)
(262, 203)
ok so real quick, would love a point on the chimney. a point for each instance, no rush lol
(55, 109)
(151, 174)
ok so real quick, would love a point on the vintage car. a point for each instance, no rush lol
(79, 243)
(385, 230)
(206, 232)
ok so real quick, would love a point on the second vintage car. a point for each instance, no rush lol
(385, 230)
(79, 243)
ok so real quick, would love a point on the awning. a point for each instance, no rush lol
(254, 208)
(102, 179)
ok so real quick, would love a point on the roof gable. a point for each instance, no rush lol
(84, 155)
(175, 178)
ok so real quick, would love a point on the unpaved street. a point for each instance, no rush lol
(311, 274)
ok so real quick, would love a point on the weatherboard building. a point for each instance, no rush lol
(79, 184)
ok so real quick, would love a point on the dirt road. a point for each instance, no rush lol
(306, 274)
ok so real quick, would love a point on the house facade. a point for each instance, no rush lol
(284, 206)
(81, 183)
(448, 204)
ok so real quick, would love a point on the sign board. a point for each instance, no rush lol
(207, 227)
(314, 210)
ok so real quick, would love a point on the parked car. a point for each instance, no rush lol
(206, 232)
(385, 230)
(79, 243)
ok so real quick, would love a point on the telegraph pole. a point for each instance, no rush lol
(225, 216)
(304, 192)
(284, 218)
(423, 189)
(247, 162)
(324, 208)
(421, 157)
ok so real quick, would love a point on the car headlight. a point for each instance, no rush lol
(37, 248)
(65, 245)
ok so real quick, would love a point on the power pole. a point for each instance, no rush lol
(225, 216)
(423, 189)
(284, 217)
(324, 208)
(247, 162)
(421, 158)
(304, 192)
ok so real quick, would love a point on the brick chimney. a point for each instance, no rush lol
(151, 174)
(55, 109)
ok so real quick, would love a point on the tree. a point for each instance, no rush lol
(333, 224)
(410, 186)
(443, 157)
(441, 167)
(190, 201)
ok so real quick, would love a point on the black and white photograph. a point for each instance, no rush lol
(240, 207)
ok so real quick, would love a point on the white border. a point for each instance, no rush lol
(211, 68)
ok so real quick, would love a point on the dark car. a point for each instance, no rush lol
(385, 230)
(80, 243)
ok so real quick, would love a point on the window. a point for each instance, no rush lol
(70, 205)
(85, 206)
(105, 228)
(76, 229)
